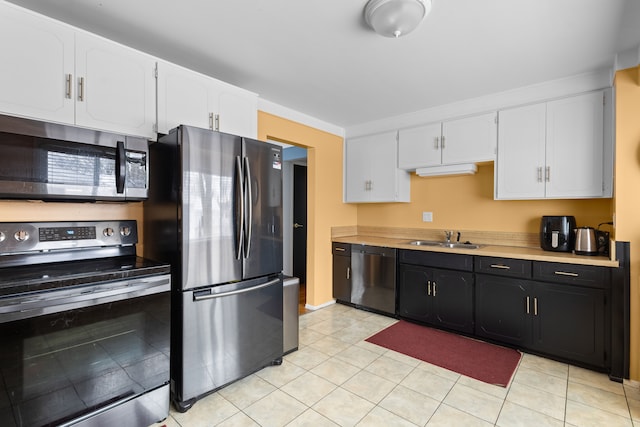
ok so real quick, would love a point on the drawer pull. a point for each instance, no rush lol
(340, 249)
(565, 273)
(528, 310)
(434, 289)
(535, 306)
(500, 266)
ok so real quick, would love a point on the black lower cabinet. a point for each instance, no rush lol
(440, 297)
(342, 272)
(560, 320)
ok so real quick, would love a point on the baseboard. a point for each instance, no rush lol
(318, 307)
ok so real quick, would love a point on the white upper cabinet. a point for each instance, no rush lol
(467, 140)
(371, 172)
(115, 87)
(36, 78)
(190, 98)
(53, 72)
(553, 150)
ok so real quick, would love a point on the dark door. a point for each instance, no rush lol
(501, 309)
(414, 293)
(453, 299)
(569, 322)
(300, 222)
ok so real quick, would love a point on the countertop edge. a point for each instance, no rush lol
(516, 252)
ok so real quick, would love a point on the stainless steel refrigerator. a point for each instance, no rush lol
(215, 212)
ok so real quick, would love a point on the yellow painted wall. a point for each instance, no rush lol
(324, 196)
(466, 203)
(627, 192)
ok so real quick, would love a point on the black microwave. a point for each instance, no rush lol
(50, 161)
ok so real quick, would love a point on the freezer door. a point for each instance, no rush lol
(210, 195)
(227, 332)
(263, 211)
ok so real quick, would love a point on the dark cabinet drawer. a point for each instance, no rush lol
(574, 274)
(503, 266)
(343, 249)
(437, 259)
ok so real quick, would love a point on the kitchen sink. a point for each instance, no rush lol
(452, 245)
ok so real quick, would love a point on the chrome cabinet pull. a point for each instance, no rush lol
(340, 249)
(500, 266)
(217, 122)
(539, 173)
(211, 121)
(429, 287)
(68, 79)
(348, 273)
(442, 143)
(436, 143)
(81, 89)
(535, 306)
(566, 273)
(434, 288)
(528, 311)
(547, 176)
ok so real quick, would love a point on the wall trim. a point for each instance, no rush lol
(318, 307)
(296, 116)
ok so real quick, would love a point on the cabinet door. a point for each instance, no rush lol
(357, 173)
(237, 111)
(419, 147)
(183, 98)
(115, 87)
(342, 278)
(575, 147)
(37, 73)
(415, 293)
(469, 140)
(568, 321)
(519, 168)
(452, 294)
(501, 309)
(371, 170)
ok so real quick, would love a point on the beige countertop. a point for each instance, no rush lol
(492, 250)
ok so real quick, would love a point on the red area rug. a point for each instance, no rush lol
(476, 359)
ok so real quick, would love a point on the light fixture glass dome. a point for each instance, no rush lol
(395, 18)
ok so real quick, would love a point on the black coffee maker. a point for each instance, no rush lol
(557, 233)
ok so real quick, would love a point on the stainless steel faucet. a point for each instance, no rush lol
(448, 235)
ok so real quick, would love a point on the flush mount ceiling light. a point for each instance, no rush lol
(395, 18)
(461, 169)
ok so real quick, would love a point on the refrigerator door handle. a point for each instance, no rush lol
(249, 208)
(236, 292)
(240, 215)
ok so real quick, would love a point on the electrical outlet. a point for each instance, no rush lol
(427, 216)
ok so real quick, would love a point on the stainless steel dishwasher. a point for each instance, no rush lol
(373, 278)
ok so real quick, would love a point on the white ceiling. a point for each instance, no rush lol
(318, 56)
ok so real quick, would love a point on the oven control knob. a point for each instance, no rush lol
(21, 235)
(125, 231)
(107, 232)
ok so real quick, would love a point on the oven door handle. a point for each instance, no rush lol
(26, 306)
(236, 292)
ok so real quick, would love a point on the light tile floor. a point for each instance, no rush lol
(337, 378)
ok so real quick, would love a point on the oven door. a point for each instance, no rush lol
(69, 355)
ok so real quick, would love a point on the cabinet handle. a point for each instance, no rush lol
(500, 266)
(539, 173)
(442, 143)
(217, 122)
(547, 176)
(348, 273)
(566, 273)
(81, 89)
(434, 288)
(68, 80)
(527, 308)
(429, 287)
(436, 143)
(535, 306)
(211, 121)
(340, 249)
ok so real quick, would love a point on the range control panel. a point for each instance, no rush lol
(21, 237)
